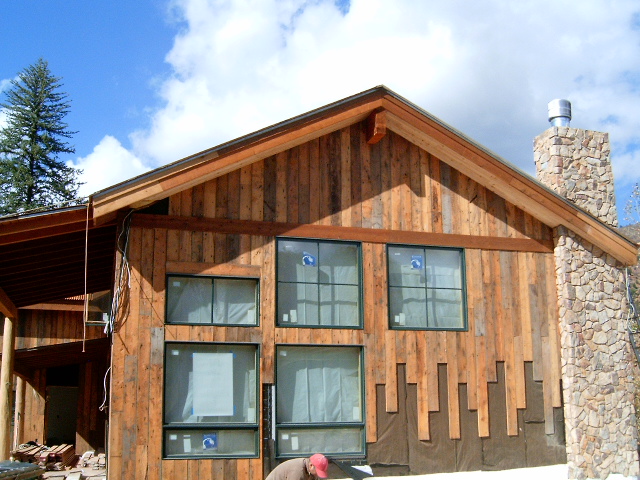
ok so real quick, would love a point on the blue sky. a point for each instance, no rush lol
(108, 53)
(152, 81)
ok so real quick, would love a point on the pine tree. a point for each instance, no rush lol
(31, 173)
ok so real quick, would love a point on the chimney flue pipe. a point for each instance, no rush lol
(559, 112)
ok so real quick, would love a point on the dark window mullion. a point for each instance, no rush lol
(213, 298)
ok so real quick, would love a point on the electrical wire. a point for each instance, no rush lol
(123, 274)
(103, 407)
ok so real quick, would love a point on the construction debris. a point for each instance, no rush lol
(19, 470)
(27, 452)
(60, 462)
(57, 457)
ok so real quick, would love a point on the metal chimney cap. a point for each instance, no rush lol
(559, 112)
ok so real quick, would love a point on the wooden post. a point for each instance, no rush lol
(18, 416)
(6, 387)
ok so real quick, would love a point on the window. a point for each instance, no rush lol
(318, 283)
(319, 401)
(426, 288)
(212, 300)
(210, 400)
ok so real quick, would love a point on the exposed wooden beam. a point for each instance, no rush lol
(376, 126)
(272, 229)
(197, 268)
(7, 307)
(59, 306)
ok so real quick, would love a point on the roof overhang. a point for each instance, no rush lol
(42, 257)
(401, 117)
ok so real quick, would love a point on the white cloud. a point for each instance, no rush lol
(487, 68)
(108, 164)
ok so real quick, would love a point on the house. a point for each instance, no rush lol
(361, 280)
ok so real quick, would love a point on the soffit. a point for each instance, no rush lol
(42, 257)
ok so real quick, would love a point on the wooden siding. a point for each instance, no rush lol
(42, 328)
(340, 181)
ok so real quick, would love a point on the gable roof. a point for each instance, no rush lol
(384, 109)
(47, 276)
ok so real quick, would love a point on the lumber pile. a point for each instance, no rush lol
(27, 452)
(57, 457)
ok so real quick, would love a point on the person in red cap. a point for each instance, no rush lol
(301, 468)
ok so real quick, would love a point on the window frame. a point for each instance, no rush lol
(318, 241)
(169, 276)
(212, 426)
(362, 424)
(463, 288)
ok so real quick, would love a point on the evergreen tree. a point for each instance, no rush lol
(31, 174)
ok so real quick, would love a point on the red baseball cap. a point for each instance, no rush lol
(321, 463)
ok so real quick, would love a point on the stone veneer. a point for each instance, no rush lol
(597, 363)
(575, 164)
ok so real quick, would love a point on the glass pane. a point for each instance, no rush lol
(234, 301)
(303, 442)
(339, 305)
(338, 263)
(318, 384)
(297, 261)
(445, 309)
(189, 300)
(297, 304)
(207, 383)
(408, 307)
(406, 267)
(444, 268)
(210, 442)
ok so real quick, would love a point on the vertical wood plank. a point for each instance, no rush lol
(267, 311)
(245, 214)
(391, 386)
(452, 387)
(395, 207)
(376, 152)
(436, 196)
(432, 373)
(303, 184)
(510, 377)
(410, 348)
(366, 185)
(446, 197)
(385, 183)
(314, 181)
(291, 173)
(357, 142)
(269, 189)
(424, 432)
(345, 177)
(482, 392)
(554, 333)
(425, 191)
(405, 183)
(488, 272)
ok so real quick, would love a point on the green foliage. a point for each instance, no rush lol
(31, 173)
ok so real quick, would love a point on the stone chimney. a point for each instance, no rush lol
(575, 164)
(597, 363)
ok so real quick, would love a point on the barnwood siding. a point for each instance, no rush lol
(44, 328)
(339, 181)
